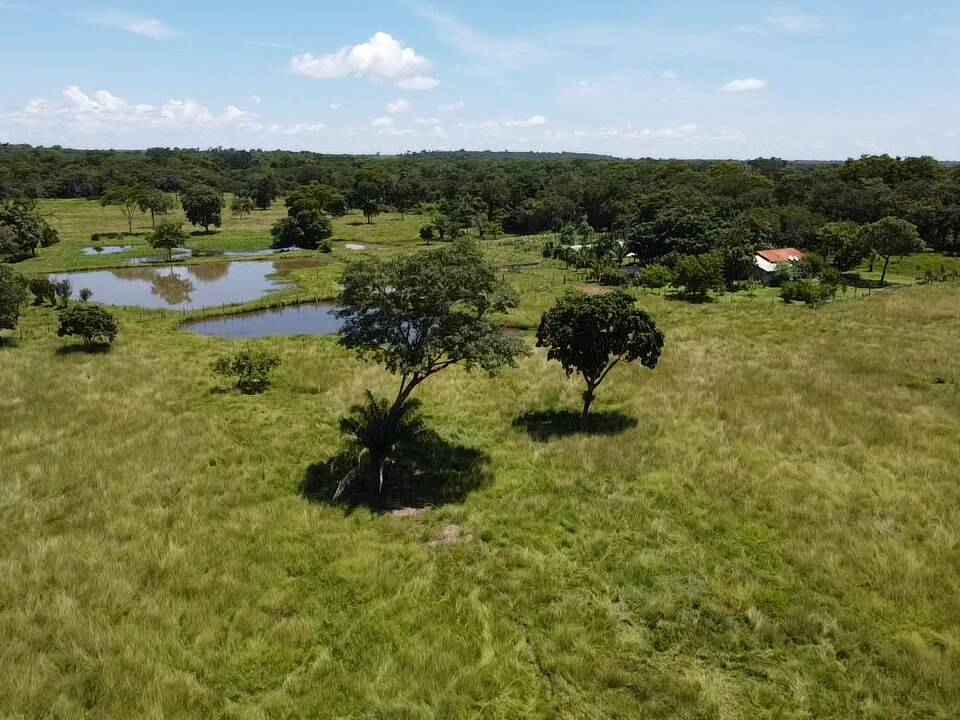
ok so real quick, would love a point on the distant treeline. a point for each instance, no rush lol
(664, 207)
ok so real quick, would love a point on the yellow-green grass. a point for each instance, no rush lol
(77, 220)
(774, 533)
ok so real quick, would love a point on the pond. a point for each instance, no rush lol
(182, 287)
(106, 249)
(308, 319)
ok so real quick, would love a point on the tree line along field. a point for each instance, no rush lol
(764, 526)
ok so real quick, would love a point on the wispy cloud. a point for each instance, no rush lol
(744, 85)
(138, 25)
(787, 22)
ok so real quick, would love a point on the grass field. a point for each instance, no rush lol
(768, 525)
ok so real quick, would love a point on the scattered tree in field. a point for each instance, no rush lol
(369, 190)
(316, 196)
(62, 289)
(264, 191)
(891, 237)
(251, 367)
(127, 199)
(167, 236)
(310, 229)
(417, 316)
(656, 277)
(13, 293)
(426, 234)
(85, 294)
(42, 290)
(698, 274)
(92, 323)
(592, 334)
(242, 205)
(22, 231)
(154, 202)
(202, 206)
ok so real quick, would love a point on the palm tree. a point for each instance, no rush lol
(372, 432)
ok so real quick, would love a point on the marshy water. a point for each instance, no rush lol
(307, 319)
(181, 287)
(106, 249)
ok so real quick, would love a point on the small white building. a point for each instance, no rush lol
(768, 261)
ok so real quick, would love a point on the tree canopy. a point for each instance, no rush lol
(592, 334)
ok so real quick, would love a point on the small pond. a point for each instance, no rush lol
(106, 249)
(181, 287)
(308, 319)
(355, 246)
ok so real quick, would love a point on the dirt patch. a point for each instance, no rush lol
(594, 290)
(409, 512)
(452, 535)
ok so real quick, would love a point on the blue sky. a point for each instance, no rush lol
(682, 79)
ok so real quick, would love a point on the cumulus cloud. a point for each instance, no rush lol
(380, 59)
(399, 106)
(382, 122)
(744, 85)
(103, 111)
(428, 121)
(147, 26)
(452, 107)
(534, 121)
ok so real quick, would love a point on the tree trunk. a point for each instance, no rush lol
(588, 398)
(883, 275)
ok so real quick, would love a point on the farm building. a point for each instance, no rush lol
(768, 261)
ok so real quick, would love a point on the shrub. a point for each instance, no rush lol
(42, 290)
(426, 234)
(61, 292)
(85, 294)
(656, 276)
(614, 277)
(91, 322)
(701, 273)
(252, 369)
(810, 292)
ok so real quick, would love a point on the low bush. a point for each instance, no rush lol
(252, 369)
(91, 322)
(810, 292)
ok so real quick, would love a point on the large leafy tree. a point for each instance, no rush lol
(310, 229)
(841, 244)
(421, 314)
(891, 237)
(592, 334)
(155, 202)
(698, 274)
(316, 196)
(22, 231)
(203, 206)
(13, 293)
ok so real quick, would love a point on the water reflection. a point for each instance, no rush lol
(183, 287)
(106, 249)
(311, 319)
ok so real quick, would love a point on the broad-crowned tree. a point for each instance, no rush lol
(592, 334)
(421, 314)
(889, 238)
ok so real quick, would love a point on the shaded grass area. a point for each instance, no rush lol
(775, 536)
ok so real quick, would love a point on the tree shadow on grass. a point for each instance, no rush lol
(80, 349)
(690, 298)
(434, 472)
(554, 424)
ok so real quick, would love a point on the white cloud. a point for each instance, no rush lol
(744, 85)
(257, 99)
(297, 129)
(186, 111)
(336, 106)
(452, 107)
(136, 24)
(669, 75)
(382, 122)
(380, 59)
(399, 106)
(428, 121)
(534, 121)
(418, 82)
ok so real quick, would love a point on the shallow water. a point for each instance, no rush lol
(355, 246)
(180, 287)
(310, 319)
(106, 249)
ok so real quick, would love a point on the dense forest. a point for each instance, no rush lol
(661, 209)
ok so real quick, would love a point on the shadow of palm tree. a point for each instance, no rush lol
(550, 425)
(433, 472)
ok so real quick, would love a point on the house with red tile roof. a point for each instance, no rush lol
(768, 261)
